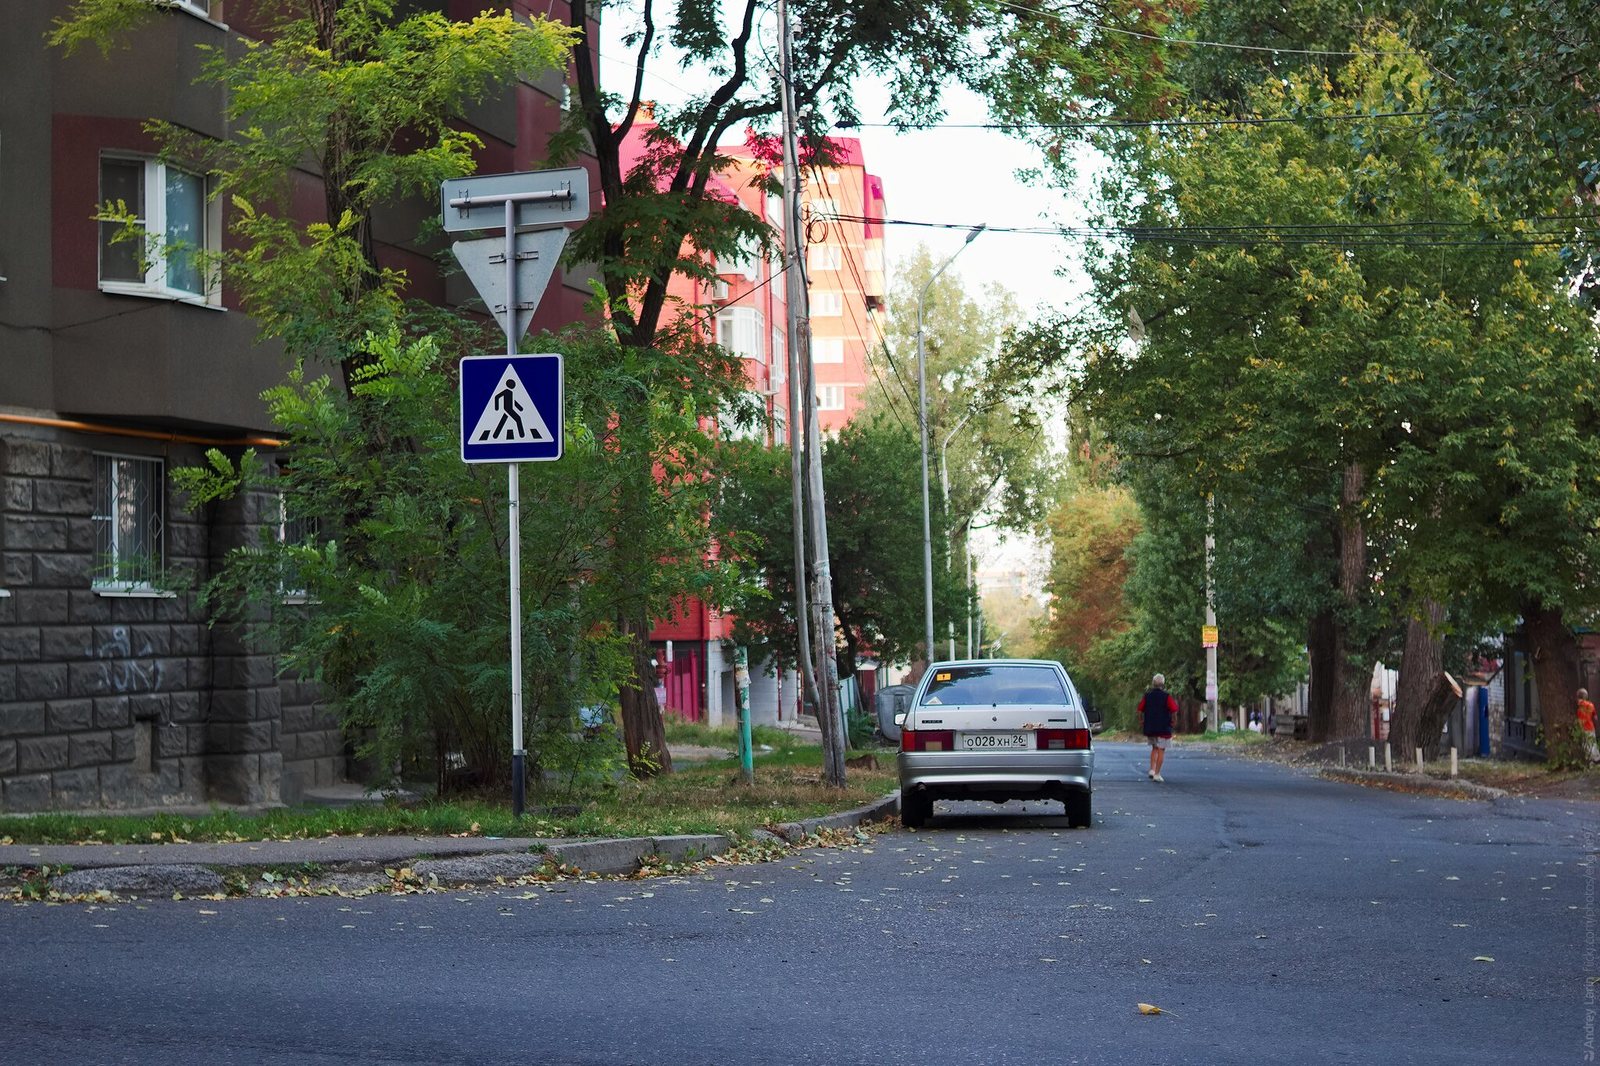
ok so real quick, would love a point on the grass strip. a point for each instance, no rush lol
(706, 797)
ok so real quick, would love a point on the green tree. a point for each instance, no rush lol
(409, 637)
(871, 474)
(987, 439)
(369, 91)
(1518, 112)
(365, 98)
(1297, 357)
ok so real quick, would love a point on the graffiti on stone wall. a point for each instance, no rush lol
(119, 671)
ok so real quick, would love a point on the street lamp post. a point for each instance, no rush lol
(944, 490)
(922, 425)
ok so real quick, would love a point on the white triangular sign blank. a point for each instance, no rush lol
(511, 416)
(483, 259)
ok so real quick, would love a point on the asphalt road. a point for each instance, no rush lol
(1274, 916)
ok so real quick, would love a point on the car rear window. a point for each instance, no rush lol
(999, 686)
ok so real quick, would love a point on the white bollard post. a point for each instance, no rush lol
(1453, 768)
(1388, 758)
(1341, 758)
(1372, 757)
(1419, 760)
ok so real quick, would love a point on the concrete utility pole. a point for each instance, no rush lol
(825, 674)
(1211, 618)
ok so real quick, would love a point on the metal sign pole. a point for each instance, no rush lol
(514, 529)
(542, 203)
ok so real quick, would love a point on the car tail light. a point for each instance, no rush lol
(927, 740)
(1062, 739)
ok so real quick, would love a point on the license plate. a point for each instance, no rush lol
(994, 741)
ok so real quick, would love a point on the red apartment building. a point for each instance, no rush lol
(844, 258)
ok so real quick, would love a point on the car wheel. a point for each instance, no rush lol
(1079, 810)
(915, 810)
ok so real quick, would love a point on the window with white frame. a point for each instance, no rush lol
(730, 427)
(161, 230)
(127, 519)
(874, 260)
(827, 304)
(830, 397)
(774, 208)
(293, 531)
(746, 261)
(742, 331)
(780, 358)
(831, 176)
(194, 7)
(824, 207)
(780, 428)
(827, 349)
(827, 257)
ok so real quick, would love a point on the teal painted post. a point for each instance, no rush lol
(741, 678)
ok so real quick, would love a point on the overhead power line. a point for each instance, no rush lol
(1132, 123)
(1186, 42)
(1349, 235)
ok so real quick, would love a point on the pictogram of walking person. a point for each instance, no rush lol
(506, 401)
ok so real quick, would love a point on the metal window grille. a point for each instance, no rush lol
(294, 530)
(128, 522)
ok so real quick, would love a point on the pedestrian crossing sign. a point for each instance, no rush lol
(511, 408)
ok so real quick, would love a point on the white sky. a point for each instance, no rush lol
(967, 177)
(946, 175)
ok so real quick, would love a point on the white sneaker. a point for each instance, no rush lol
(1157, 777)
(1150, 774)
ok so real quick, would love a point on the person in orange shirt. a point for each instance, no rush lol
(1586, 723)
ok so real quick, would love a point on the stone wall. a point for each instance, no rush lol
(131, 699)
(312, 742)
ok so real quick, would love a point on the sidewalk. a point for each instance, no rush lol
(359, 865)
(352, 864)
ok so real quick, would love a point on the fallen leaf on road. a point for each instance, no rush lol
(1483, 958)
(1151, 1008)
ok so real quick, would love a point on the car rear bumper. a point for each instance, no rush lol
(988, 774)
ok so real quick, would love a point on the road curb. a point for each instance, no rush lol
(624, 855)
(795, 832)
(1454, 789)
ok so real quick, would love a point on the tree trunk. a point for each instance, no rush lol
(1420, 666)
(1351, 693)
(1443, 697)
(1322, 649)
(643, 734)
(1557, 674)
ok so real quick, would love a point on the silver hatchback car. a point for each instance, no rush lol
(996, 729)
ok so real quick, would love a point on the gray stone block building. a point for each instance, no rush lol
(117, 690)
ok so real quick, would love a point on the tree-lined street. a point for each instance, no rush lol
(1272, 914)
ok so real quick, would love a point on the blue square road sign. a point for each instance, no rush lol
(511, 408)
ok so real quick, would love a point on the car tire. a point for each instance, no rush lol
(1080, 810)
(915, 810)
